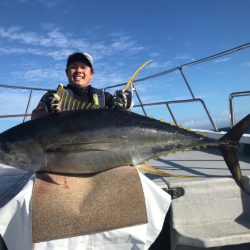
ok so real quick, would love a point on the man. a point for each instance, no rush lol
(79, 71)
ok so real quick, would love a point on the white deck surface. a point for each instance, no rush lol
(197, 164)
(213, 213)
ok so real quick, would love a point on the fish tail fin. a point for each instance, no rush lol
(229, 148)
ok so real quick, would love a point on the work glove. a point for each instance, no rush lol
(122, 99)
(52, 103)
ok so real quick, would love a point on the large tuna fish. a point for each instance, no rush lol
(90, 141)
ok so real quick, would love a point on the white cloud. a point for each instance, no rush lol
(187, 43)
(122, 42)
(159, 65)
(105, 77)
(35, 75)
(221, 60)
(56, 44)
(15, 101)
(154, 54)
(15, 33)
(170, 38)
(53, 38)
(246, 64)
(46, 3)
(19, 50)
(59, 54)
(220, 120)
(184, 57)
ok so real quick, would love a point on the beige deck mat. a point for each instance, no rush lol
(79, 205)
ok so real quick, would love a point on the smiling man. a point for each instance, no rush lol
(80, 71)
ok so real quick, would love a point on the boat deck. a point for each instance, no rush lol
(196, 164)
(213, 213)
(201, 218)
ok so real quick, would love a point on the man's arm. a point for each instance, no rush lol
(49, 103)
(39, 111)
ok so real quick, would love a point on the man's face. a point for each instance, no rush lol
(79, 74)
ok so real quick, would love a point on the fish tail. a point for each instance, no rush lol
(228, 145)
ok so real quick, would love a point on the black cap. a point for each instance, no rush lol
(82, 57)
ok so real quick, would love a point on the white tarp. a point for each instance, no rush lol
(16, 225)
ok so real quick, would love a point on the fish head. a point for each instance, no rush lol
(23, 154)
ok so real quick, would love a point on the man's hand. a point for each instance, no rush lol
(52, 102)
(122, 99)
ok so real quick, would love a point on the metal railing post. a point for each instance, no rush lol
(28, 105)
(141, 104)
(231, 110)
(186, 82)
(172, 115)
(167, 103)
(168, 71)
(231, 103)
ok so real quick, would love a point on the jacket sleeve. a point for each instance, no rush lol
(41, 109)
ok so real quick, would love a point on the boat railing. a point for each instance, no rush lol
(231, 103)
(168, 106)
(31, 91)
(179, 69)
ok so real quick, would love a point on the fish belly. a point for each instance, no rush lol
(84, 162)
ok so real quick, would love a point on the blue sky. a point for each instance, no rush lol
(36, 36)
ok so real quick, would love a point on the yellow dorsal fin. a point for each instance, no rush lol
(130, 81)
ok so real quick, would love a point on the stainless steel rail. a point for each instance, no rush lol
(180, 69)
(194, 99)
(31, 89)
(167, 103)
(231, 103)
